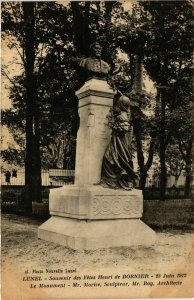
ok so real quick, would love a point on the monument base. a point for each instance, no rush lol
(92, 217)
(91, 235)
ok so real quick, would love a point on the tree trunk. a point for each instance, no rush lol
(163, 175)
(140, 157)
(176, 180)
(81, 26)
(142, 182)
(187, 190)
(138, 76)
(86, 38)
(162, 150)
(107, 28)
(192, 152)
(143, 167)
(32, 159)
(37, 190)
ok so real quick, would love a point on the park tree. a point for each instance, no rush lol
(158, 35)
(45, 113)
(183, 139)
(28, 31)
(55, 64)
(56, 61)
(130, 37)
(22, 20)
(174, 162)
(62, 36)
(167, 59)
(32, 126)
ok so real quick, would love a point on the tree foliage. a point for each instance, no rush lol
(168, 60)
(155, 33)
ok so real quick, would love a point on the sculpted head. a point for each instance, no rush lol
(95, 50)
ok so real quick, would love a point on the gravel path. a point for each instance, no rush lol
(21, 250)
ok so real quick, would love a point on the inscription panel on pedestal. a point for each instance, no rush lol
(102, 127)
(116, 207)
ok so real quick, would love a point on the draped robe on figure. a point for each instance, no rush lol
(117, 165)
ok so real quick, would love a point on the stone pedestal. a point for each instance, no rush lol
(86, 215)
(95, 101)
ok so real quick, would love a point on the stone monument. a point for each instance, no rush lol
(89, 215)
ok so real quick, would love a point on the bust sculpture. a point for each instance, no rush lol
(94, 66)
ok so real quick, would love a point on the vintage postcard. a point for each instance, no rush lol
(97, 147)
